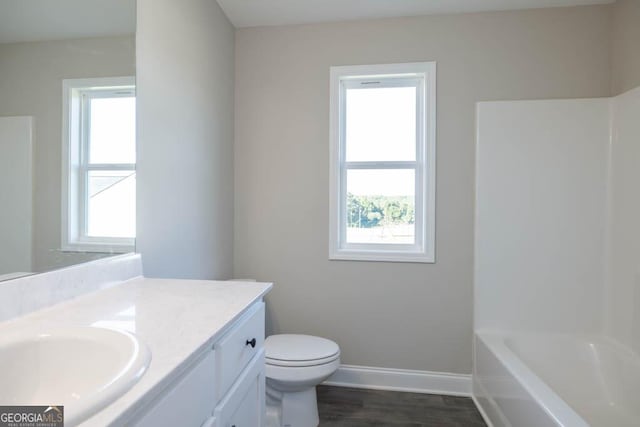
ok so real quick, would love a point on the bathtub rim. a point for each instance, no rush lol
(541, 393)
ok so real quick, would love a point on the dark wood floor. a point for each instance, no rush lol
(350, 407)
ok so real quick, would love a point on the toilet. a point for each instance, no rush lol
(295, 365)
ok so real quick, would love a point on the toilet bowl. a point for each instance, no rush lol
(295, 365)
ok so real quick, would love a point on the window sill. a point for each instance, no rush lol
(382, 256)
(104, 248)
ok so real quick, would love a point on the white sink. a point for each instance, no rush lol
(82, 368)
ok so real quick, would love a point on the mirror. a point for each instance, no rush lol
(67, 92)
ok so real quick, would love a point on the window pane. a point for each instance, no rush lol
(113, 130)
(112, 204)
(381, 206)
(381, 124)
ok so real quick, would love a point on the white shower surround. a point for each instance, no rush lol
(557, 251)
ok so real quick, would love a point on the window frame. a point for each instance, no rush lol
(421, 75)
(76, 166)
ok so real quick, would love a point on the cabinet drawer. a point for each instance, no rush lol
(189, 402)
(235, 350)
(243, 406)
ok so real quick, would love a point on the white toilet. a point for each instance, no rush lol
(296, 364)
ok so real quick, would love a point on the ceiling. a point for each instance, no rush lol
(37, 20)
(251, 13)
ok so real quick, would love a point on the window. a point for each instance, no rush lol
(99, 162)
(382, 201)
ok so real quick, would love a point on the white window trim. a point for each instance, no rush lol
(425, 167)
(71, 239)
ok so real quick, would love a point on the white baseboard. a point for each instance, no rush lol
(401, 380)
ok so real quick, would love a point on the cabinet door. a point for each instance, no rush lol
(247, 413)
(243, 406)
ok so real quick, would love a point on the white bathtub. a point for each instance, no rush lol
(556, 380)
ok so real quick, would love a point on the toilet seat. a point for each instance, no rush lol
(293, 350)
(301, 363)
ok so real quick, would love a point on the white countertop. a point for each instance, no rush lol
(176, 319)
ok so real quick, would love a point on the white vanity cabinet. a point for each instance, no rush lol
(225, 387)
(244, 404)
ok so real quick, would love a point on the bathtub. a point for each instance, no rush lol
(537, 380)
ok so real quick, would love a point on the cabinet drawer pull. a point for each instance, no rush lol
(252, 343)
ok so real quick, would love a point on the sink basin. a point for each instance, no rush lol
(82, 368)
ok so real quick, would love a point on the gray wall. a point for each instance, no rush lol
(31, 85)
(411, 316)
(185, 139)
(625, 52)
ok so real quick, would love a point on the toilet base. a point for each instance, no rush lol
(292, 409)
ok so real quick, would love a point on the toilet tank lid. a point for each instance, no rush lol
(294, 347)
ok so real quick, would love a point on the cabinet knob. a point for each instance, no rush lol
(252, 343)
